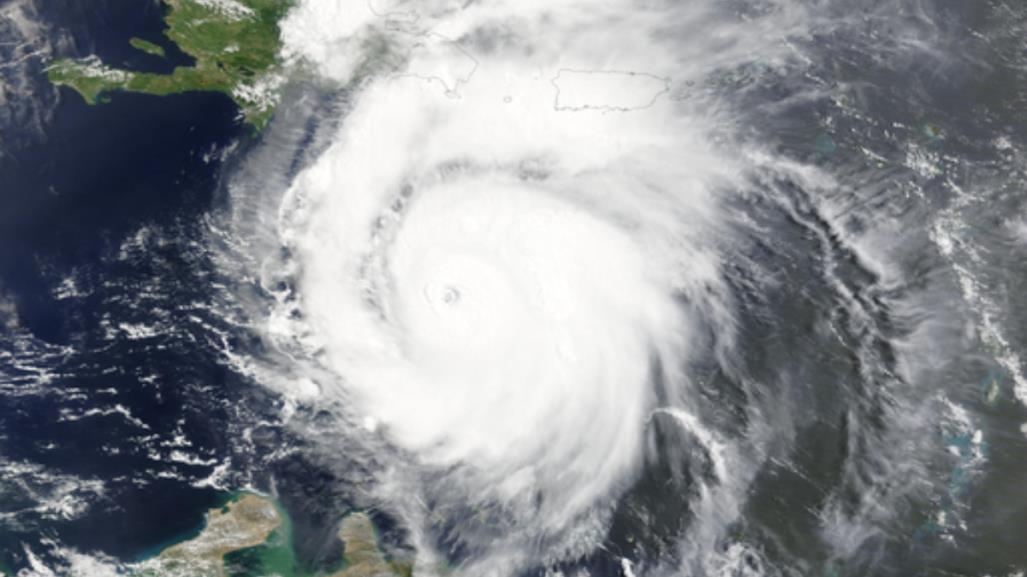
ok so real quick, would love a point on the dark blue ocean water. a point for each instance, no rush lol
(69, 199)
(102, 235)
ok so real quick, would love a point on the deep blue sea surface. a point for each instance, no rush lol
(138, 167)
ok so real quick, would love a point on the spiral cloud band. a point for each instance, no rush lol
(503, 248)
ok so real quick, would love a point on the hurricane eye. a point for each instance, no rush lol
(451, 295)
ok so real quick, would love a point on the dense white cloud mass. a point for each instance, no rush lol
(511, 236)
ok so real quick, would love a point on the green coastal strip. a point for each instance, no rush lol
(235, 43)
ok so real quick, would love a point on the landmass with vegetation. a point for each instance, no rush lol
(235, 44)
(252, 535)
(243, 523)
(363, 557)
(147, 47)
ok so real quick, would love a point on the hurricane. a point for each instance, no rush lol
(553, 285)
(513, 288)
(506, 251)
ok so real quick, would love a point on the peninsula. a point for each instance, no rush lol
(258, 524)
(235, 44)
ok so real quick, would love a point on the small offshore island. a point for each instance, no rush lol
(254, 524)
(235, 44)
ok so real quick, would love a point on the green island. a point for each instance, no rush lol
(252, 535)
(146, 46)
(235, 44)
